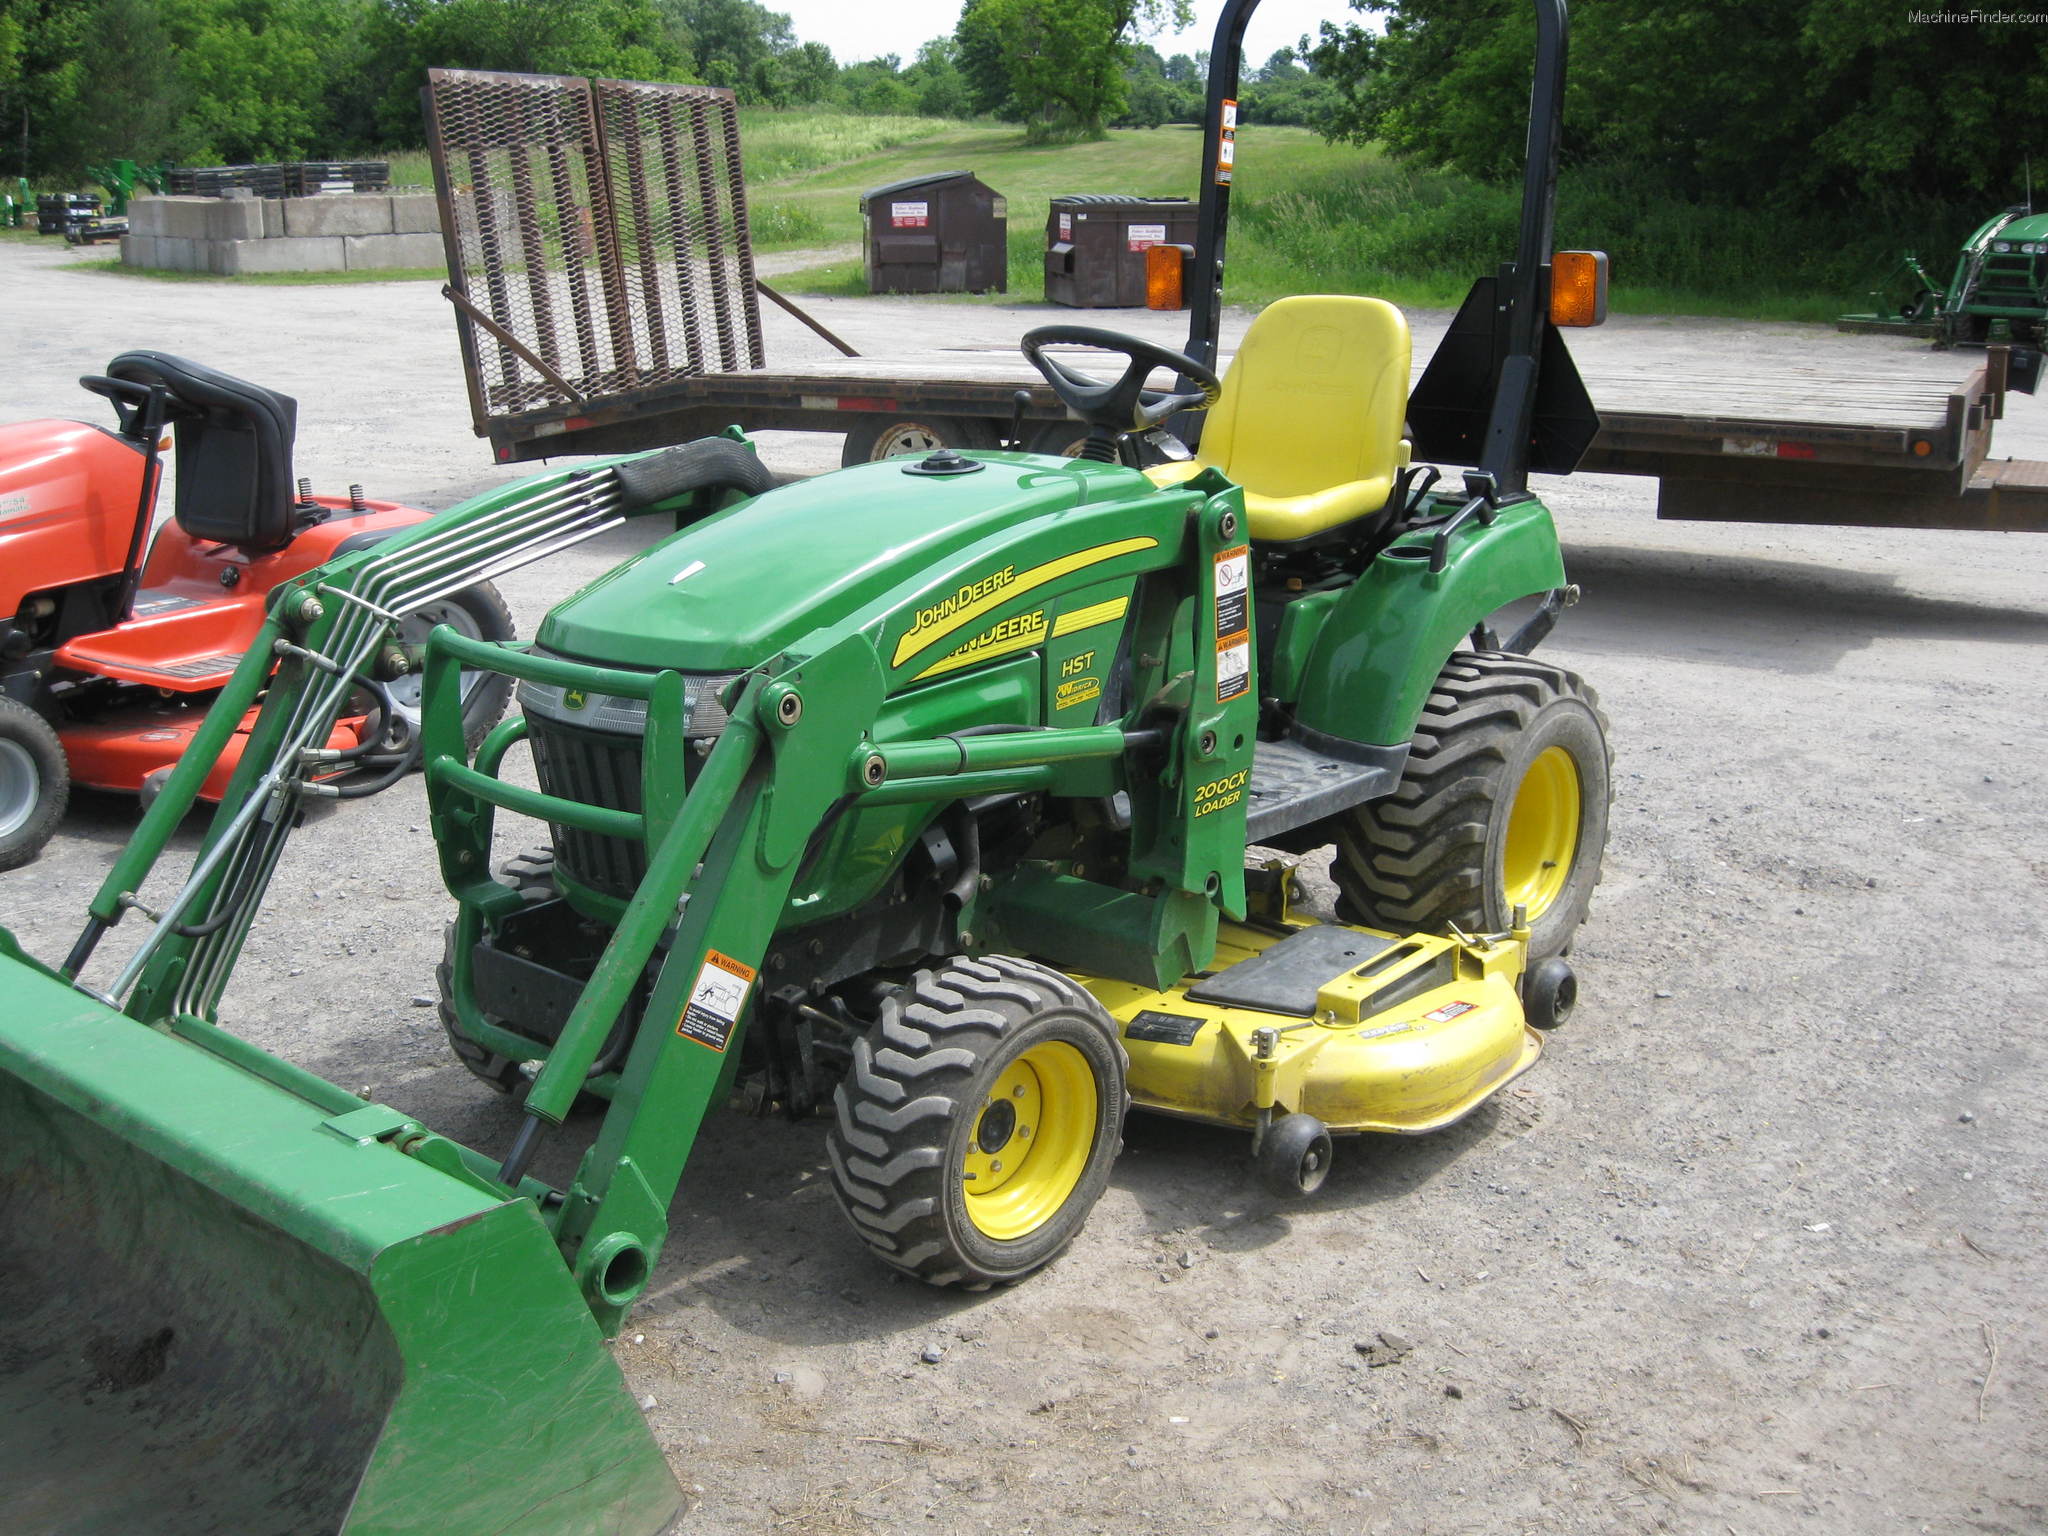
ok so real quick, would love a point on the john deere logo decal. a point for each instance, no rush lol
(574, 698)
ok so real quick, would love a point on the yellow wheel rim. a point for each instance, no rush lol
(1030, 1141)
(1543, 833)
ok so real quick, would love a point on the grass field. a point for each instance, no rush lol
(1307, 217)
(1314, 217)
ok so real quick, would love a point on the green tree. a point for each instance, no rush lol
(1060, 63)
(622, 39)
(1746, 101)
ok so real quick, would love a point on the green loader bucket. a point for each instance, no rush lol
(229, 1305)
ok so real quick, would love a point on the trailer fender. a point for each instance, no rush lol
(1383, 641)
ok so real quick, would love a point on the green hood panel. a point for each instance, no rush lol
(766, 573)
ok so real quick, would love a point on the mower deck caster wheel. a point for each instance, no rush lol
(1294, 1156)
(1550, 990)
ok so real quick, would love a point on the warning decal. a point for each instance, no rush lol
(909, 215)
(1233, 668)
(1233, 576)
(1066, 226)
(1233, 592)
(1164, 1028)
(1448, 1012)
(715, 1001)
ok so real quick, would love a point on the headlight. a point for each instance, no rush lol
(2034, 248)
(2001, 246)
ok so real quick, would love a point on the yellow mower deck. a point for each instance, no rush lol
(1379, 1033)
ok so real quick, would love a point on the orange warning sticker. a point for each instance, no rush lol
(713, 1011)
(1448, 1012)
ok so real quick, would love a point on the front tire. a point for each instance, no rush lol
(978, 1124)
(35, 783)
(1503, 803)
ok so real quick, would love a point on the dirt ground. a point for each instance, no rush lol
(1757, 1248)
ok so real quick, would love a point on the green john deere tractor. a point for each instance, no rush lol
(1998, 291)
(940, 795)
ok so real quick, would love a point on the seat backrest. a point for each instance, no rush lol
(234, 450)
(1317, 396)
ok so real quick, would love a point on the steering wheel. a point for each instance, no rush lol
(1113, 409)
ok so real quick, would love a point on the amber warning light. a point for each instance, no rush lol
(1578, 288)
(1165, 284)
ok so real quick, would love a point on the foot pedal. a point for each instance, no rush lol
(1293, 784)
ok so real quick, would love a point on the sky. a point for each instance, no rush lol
(856, 32)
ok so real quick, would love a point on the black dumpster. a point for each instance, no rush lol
(1095, 245)
(943, 233)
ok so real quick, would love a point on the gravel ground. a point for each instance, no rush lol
(1749, 1252)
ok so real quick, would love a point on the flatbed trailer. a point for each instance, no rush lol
(1807, 446)
(607, 302)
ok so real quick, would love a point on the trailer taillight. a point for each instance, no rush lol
(1165, 268)
(1578, 288)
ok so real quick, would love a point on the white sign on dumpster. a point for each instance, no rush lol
(909, 215)
(1144, 236)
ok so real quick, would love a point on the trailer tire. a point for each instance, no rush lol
(885, 435)
(970, 1064)
(35, 783)
(1503, 802)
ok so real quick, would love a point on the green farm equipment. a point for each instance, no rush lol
(948, 796)
(1998, 291)
(121, 178)
(16, 204)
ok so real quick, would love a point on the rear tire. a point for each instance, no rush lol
(35, 783)
(1503, 802)
(978, 1124)
(480, 613)
(887, 436)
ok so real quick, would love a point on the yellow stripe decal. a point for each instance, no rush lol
(1019, 633)
(1089, 617)
(947, 617)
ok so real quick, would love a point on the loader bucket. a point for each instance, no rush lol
(229, 1303)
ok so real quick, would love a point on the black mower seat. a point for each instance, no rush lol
(234, 450)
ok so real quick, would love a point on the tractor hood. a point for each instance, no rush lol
(727, 593)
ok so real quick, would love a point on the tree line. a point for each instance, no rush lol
(1751, 103)
(209, 81)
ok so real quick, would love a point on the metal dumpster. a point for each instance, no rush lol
(943, 233)
(1095, 244)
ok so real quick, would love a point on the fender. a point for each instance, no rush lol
(1383, 641)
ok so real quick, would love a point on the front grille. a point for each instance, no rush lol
(586, 748)
(594, 768)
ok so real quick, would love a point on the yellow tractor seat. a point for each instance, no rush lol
(1311, 417)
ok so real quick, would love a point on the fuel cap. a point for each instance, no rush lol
(944, 461)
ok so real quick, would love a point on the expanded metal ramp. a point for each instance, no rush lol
(596, 233)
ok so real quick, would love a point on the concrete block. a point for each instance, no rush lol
(138, 250)
(236, 219)
(288, 253)
(187, 218)
(381, 253)
(415, 213)
(353, 213)
(174, 253)
(273, 218)
(146, 216)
